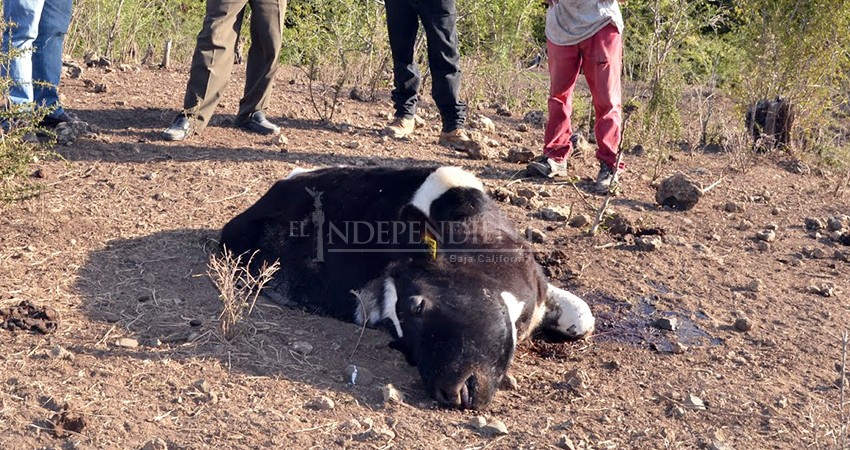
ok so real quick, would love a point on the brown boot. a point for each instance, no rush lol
(400, 128)
(458, 139)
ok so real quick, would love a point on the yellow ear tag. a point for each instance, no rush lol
(432, 244)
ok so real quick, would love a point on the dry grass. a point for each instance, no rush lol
(238, 288)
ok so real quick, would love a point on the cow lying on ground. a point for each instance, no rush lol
(423, 252)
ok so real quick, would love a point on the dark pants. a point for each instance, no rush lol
(439, 20)
(216, 50)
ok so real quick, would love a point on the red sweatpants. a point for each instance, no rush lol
(601, 57)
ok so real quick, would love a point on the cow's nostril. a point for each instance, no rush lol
(467, 392)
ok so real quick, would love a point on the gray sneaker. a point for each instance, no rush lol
(547, 167)
(606, 179)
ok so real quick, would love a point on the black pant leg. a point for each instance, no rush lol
(402, 26)
(439, 19)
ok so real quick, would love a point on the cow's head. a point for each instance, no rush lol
(456, 316)
(457, 331)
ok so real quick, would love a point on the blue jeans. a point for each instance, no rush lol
(39, 33)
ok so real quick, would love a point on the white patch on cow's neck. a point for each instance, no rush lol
(297, 171)
(514, 311)
(575, 319)
(440, 181)
(390, 301)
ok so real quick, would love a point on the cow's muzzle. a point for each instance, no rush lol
(467, 394)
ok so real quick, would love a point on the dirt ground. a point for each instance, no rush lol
(118, 245)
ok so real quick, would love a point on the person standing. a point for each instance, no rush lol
(439, 21)
(583, 35)
(212, 63)
(36, 34)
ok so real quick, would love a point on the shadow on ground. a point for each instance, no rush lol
(155, 288)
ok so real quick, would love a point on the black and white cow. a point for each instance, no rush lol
(423, 252)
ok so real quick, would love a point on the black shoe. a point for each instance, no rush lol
(258, 123)
(606, 179)
(180, 129)
(53, 121)
(547, 167)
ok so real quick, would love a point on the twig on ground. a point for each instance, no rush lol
(712, 185)
(614, 186)
(363, 328)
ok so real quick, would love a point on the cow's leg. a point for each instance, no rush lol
(567, 314)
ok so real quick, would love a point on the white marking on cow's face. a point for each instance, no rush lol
(439, 182)
(575, 319)
(514, 311)
(297, 171)
(390, 301)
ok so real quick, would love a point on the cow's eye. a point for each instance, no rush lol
(417, 305)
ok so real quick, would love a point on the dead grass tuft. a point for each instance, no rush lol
(238, 288)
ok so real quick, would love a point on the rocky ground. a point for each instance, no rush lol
(719, 326)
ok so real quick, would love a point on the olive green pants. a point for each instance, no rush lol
(215, 54)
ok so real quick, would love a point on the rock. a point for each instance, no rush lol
(535, 235)
(360, 94)
(322, 403)
(127, 343)
(781, 402)
(526, 192)
(503, 111)
(743, 324)
(357, 375)
(500, 194)
(478, 422)
(638, 150)
(281, 142)
(375, 432)
(619, 224)
(666, 323)
(522, 127)
(733, 207)
(613, 365)
(520, 155)
(836, 236)
(825, 290)
(155, 444)
(580, 144)
(772, 227)
(834, 224)
(718, 441)
(534, 118)
(484, 124)
(68, 132)
(678, 192)
(677, 412)
(763, 246)
(495, 427)
(391, 394)
(579, 221)
(842, 256)
(509, 383)
(557, 213)
(482, 152)
(516, 200)
(648, 243)
(693, 402)
(58, 352)
(576, 379)
(203, 386)
(302, 348)
(744, 225)
(813, 252)
(766, 235)
(678, 348)
(814, 224)
(353, 145)
(755, 285)
(566, 443)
